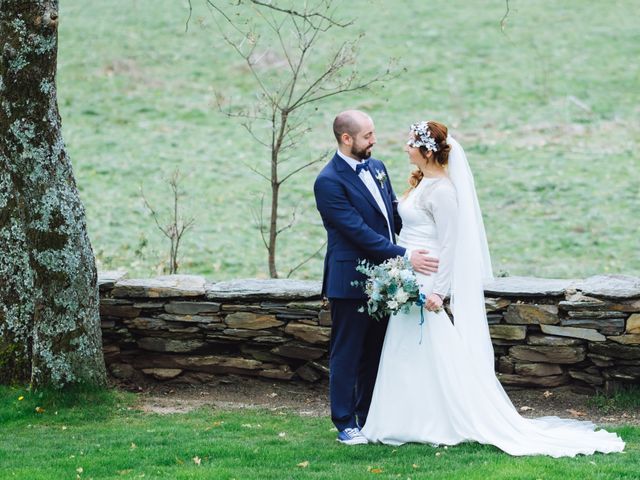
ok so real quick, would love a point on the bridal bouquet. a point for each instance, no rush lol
(391, 287)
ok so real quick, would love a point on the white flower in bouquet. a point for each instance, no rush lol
(407, 275)
(390, 287)
(395, 273)
(402, 297)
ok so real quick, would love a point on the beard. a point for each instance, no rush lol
(362, 154)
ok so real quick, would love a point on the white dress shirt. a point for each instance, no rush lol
(370, 183)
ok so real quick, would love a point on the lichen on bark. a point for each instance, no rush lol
(48, 292)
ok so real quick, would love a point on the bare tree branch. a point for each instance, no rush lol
(257, 172)
(306, 259)
(177, 227)
(186, 25)
(249, 128)
(305, 16)
(503, 21)
(334, 65)
(154, 214)
(239, 114)
(361, 86)
(250, 37)
(302, 167)
(258, 218)
(291, 222)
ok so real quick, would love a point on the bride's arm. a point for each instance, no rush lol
(444, 207)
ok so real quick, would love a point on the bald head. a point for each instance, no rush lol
(350, 122)
(355, 133)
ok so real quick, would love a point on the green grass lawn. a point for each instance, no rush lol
(547, 112)
(102, 435)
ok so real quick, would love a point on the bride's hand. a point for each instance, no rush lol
(433, 303)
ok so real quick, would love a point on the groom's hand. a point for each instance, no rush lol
(422, 263)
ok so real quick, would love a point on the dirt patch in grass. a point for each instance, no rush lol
(237, 392)
(313, 400)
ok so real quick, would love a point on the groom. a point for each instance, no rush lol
(359, 211)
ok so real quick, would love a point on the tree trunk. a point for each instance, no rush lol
(273, 230)
(48, 284)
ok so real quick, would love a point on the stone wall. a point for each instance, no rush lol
(545, 332)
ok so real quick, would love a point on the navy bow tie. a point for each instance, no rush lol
(362, 166)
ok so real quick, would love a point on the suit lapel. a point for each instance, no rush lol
(385, 198)
(346, 172)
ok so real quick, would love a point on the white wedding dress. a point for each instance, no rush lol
(435, 385)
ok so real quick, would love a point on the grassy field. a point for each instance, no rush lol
(547, 112)
(103, 435)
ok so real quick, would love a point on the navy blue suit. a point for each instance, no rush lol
(356, 229)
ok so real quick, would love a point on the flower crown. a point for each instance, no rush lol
(422, 137)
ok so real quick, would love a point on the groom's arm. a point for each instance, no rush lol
(336, 210)
(418, 258)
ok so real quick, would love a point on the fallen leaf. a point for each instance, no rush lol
(213, 425)
(304, 464)
(64, 427)
(414, 465)
(282, 434)
(438, 454)
(197, 460)
(526, 408)
(79, 469)
(272, 395)
(39, 410)
(376, 470)
(133, 446)
(547, 394)
(575, 413)
(592, 463)
(20, 398)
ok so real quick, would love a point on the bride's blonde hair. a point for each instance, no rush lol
(439, 133)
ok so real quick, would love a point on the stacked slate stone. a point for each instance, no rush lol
(546, 333)
(183, 329)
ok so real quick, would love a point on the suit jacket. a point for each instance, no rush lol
(356, 227)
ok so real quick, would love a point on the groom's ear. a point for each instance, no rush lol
(346, 139)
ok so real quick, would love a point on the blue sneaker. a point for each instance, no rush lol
(351, 436)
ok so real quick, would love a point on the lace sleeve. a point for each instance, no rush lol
(443, 207)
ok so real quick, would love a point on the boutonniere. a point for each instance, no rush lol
(381, 176)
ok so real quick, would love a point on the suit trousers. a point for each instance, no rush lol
(356, 344)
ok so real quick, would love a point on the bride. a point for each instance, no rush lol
(436, 382)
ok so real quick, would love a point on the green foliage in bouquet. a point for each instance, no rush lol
(391, 287)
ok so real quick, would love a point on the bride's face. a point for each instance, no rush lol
(415, 157)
